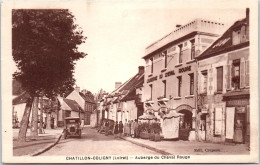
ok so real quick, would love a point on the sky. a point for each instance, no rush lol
(118, 33)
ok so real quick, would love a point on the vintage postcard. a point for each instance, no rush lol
(129, 81)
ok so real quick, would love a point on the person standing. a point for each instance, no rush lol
(132, 130)
(116, 130)
(120, 128)
(238, 135)
(106, 127)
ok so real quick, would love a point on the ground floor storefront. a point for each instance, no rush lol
(224, 118)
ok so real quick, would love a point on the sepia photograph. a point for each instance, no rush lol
(129, 81)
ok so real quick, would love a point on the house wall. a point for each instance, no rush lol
(74, 95)
(213, 100)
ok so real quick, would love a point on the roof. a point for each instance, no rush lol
(86, 97)
(22, 98)
(136, 82)
(73, 104)
(224, 43)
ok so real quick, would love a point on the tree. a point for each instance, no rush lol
(45, 48)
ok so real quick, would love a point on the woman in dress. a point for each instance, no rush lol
(120, 128)
(238, 135)
(116, 130)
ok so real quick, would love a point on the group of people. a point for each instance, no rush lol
(131, 128)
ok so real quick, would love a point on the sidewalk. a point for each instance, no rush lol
(188, 147)
(33, 145)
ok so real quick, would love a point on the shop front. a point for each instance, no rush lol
(237, 116)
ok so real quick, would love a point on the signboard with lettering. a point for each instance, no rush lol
(185, 69)
(170, 73)
(152, 79)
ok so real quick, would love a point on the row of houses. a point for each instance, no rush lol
(199, 70)
(74, 104)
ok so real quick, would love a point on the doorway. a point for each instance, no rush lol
(185, 124)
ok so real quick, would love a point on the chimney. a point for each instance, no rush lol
(247, 23)
(84, 91)
(140, 70)
(77, 89)
(117, 84)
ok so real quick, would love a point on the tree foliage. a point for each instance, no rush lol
(45, 48)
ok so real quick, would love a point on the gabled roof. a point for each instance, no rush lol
(224, 43)
(136, 82)
(74, 106)
(86, 98)
(22, 98)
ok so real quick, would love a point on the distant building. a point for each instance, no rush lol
(125, 102)
(223, 85)
(170, 72)
(86, 101)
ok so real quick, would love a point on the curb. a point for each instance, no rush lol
(46, 148)
(148, 147)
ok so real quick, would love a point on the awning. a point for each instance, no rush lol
(172, 114)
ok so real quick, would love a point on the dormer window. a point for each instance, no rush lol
(239, 35)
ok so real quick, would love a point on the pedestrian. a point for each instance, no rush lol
(125, 128)
(238, 134)
(135, 128)
(120, 128)
(116, 130)
(132, 131)
(106, 128)
(138, 129)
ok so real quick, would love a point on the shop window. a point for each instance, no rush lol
(236, 74)
(192, 49)
(219, 79)
(164, 88)
(205, 81)
(218, 119)
(179, 85)
(151, 91)
(191, 84)
(180, 54)
(151, 60)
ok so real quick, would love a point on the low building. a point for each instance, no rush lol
(125, 102)
(223, 86)
(171, 72)
(69, 108)
(86, 101)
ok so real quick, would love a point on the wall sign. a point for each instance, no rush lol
(152, 79)
(170, 73)
(185, 69)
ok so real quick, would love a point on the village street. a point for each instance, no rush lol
(94, 143)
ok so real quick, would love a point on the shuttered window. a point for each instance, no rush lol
(220, 79)
(247, 73)
(205, 81)
(218, 119)
(228, 77)
(191, 84)
(242, 73)
(179, 86)
(181, 54)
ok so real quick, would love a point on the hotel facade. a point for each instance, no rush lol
(170, 78)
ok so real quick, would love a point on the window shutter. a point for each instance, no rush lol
(242, 73)
(247, 73)
(228, 76)
(243, 33)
